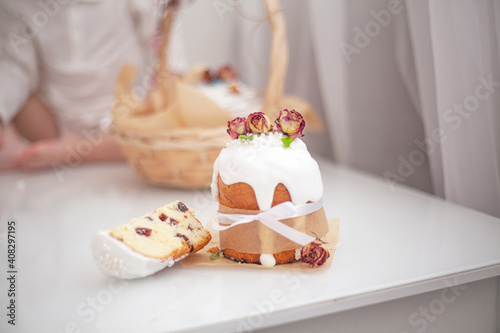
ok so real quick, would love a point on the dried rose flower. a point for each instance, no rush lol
(291, 123)
(314, 253)
(236, 127)
(207, 76)
(227, 73)
(258, 122)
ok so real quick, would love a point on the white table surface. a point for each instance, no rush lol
(394, 242)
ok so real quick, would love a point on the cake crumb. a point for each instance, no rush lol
(213, 249)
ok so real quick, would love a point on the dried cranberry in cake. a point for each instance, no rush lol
(182, 207)
(163, 217)
(173, 222)
(191, 248)
(143, 231)
(182, 236)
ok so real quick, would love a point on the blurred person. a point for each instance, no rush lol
(59, 60)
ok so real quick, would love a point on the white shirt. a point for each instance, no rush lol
(70, 53)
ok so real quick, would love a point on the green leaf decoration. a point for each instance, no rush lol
(215, 256)
(287, 142)
(244, 137)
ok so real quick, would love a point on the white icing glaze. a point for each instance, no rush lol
(267, 260)
(114, 258)
(298, 254)
(263, 163)
(237, 104)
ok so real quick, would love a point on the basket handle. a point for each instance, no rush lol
(164, 78)
(278, 58)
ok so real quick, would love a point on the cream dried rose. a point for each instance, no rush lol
(258, 122)
(291, 123)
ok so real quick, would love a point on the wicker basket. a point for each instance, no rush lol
(184, 156)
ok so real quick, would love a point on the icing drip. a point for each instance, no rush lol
(263, 163)
(298, 254)
(267, 260)
(114, 258)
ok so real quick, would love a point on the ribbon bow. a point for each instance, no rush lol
(271, 218)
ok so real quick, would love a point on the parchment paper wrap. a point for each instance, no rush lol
(255, 237)
(203, 257)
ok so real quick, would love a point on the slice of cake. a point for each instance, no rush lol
(261, 168)
(149, 243)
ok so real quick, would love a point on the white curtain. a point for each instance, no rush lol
(409, 90)
(415, 77)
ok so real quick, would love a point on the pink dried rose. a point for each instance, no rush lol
(236, 127)
(258, 122)
(227, 73)
(314, 253)
(291, 122)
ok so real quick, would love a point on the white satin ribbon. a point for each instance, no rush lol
(271, 218)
